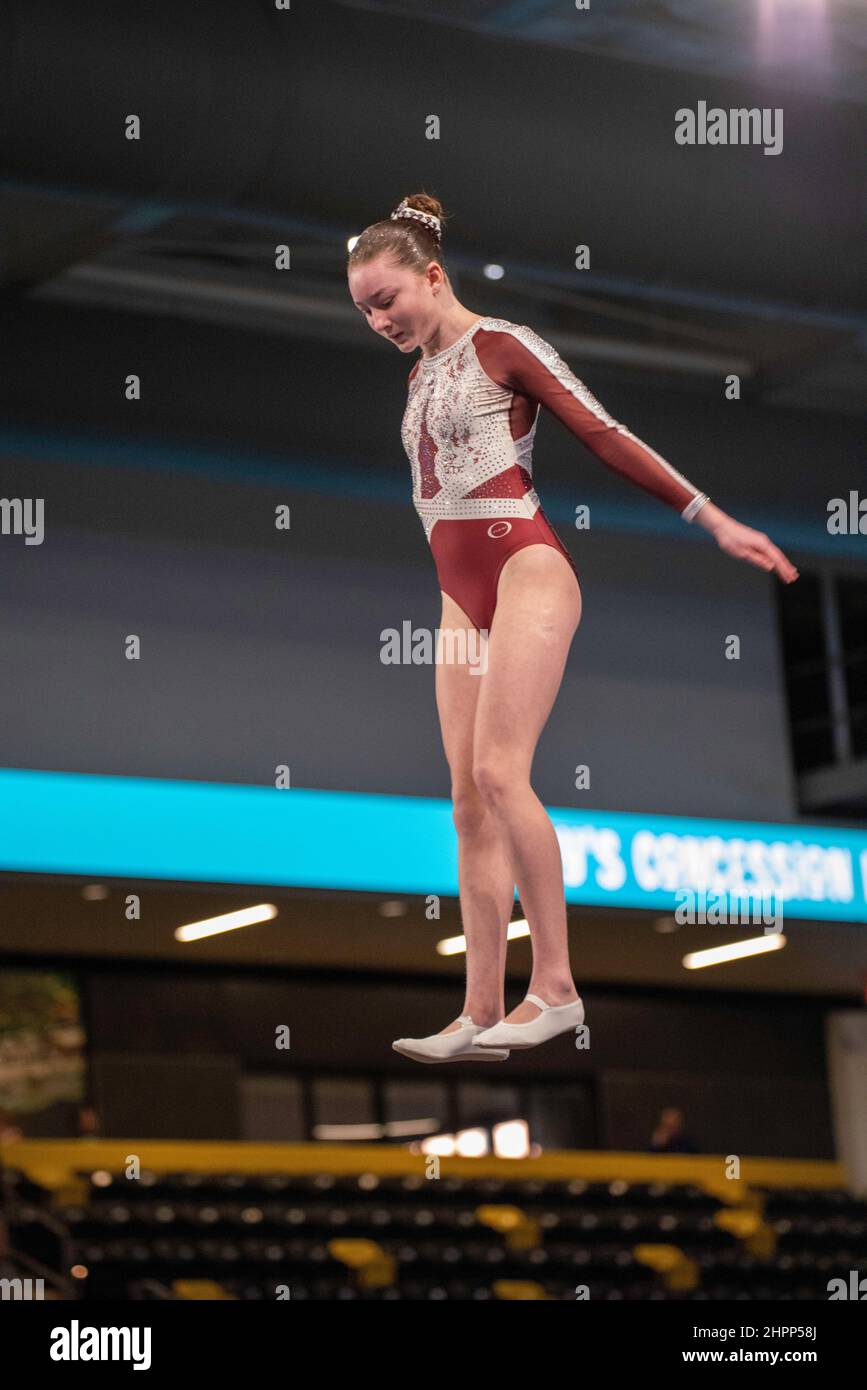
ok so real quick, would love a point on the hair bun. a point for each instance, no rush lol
(428, 219)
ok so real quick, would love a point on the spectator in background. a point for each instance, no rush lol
(80, 1120)
(10, 1130)
(88, 1121)
(670, 1135)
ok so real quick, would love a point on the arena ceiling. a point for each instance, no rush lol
(556, 129)
(816, 46)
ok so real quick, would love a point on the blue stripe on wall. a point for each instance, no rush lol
(134, 828)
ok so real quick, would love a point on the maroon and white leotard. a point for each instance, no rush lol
(468, 429)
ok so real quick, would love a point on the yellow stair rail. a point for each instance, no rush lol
(200, 1289)
(373, 1267)
(520, 1232)
(520, 1289)
(679, 1273)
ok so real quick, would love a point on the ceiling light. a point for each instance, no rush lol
(736, 950)
(228, 921)
(456, 945)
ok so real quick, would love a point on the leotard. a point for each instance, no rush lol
(468, 430)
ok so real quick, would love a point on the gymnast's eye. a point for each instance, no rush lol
(384, 305)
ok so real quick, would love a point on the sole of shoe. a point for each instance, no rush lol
(489, 1055)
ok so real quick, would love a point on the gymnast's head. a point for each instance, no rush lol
(396, 274)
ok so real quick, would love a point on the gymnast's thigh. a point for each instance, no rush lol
(458, 683)
(538, 612)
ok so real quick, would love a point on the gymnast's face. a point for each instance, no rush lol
(397, 303)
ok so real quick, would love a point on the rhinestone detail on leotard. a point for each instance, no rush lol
(456, 434)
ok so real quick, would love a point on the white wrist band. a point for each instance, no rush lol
(690, 511)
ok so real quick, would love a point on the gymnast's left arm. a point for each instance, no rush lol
(534, 368)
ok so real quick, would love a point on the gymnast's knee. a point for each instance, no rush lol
(469, 808)
(496, 781)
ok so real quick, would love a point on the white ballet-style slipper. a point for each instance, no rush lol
(553, 1019)
(450, 1047)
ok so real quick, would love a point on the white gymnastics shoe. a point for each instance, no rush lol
(551, 1021)
(450, 1047)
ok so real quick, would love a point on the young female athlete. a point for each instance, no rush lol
(473, 402)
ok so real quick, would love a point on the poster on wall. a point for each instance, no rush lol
(41, 1041)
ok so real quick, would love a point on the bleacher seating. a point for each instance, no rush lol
(368, 1235)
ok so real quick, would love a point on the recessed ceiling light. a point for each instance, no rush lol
(228, 921)
(736, 950)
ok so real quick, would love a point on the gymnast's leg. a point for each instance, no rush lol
(538, 611)
(485, 879)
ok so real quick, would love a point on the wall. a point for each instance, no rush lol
(648, 1050)
(262, 647)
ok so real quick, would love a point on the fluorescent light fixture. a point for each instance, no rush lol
(393, 907)
(332, 1133)
(471, 1143)
(353, 1133)
(228, 921)
(442, 1144)
(94, 892)
(451, 946)
(666, 925)
(456, 945)
(512, 1139)
(736, 950)
(396, 1129)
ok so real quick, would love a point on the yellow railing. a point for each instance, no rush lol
(52, 1162)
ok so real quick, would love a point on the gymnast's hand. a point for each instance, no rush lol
(744, 543)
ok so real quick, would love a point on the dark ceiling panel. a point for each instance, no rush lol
(540, 146)
(818, 48)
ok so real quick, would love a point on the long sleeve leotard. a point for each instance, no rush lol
(471, 417)
(468, 430)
